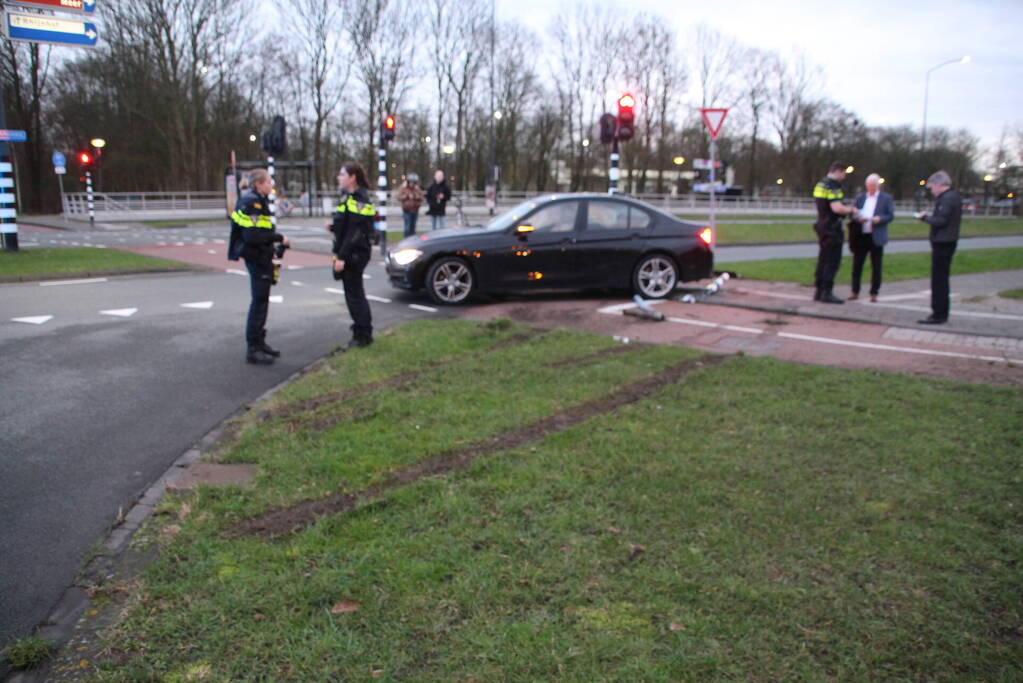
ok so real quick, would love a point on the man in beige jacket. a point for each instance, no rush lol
(410, 196)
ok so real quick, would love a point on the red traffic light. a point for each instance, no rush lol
(627, 101)
(626, 117)
(84, 158)
(387, 128)
(389, 123)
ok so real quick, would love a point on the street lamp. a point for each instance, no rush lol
(98, 144)
(923, 131)
(678, 161)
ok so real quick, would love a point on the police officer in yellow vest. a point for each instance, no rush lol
(828, 197)
(352, 225)
(252, 238)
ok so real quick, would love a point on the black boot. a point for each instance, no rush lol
(266, 348)
(256, 356)
(359, 342)
(828, 298)
(817, 294)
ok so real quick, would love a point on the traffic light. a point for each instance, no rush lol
(387, 129)
(86, 163)
(607, 129)
(626, 117)
(274, 141)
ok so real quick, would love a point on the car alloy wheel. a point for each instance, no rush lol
(655, 277)
(449, 281)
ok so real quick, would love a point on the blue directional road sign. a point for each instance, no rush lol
(13, 135)
(58, 159)
(38, 28)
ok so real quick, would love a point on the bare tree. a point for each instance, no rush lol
(718, 62)
(24, 76)
(471, 22)
(759, 66)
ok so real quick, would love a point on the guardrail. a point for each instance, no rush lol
(114, 206)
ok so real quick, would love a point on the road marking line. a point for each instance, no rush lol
(886, 347)
(775, 295)
(701, 323)
(34, 319)
(277, 299)
(295, 267)
(198, 304)
(378, 298)
(902, 297)
(211, 251)
(220, 241)
(297, 283)
(235, 271)
(333, 290)
(420, 307)
(72, 282)
(121, 312)
(956, 312)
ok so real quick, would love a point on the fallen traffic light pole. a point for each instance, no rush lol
(713, 288)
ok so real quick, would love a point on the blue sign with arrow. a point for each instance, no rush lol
(38, 28)
(13, 135)
(58, 159)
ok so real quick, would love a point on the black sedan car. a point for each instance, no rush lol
(559, 241)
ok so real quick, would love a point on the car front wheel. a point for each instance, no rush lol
(449, 281)
(655, 276)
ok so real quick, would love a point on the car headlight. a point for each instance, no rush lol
(403, 257)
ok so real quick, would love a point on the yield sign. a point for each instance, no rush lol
(713, 118)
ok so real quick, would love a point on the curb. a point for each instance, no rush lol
(60, 625)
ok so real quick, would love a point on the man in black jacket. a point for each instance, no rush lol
(944, 220)
(828, 195)
(253, 236)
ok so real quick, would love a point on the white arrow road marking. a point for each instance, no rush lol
(121, 312)
(420, 307)
(57, 283)
(277, 299)
(333, 290)
(378, 298)
(34, 319)
(198, 304)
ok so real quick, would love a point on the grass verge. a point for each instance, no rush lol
(41, 263)
(1012, 294)
(749, 519)
(730, 233)
(896, 266)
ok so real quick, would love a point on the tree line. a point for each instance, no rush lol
(177, 85)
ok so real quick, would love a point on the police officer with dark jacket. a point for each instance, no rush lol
(253, 237)
(828, 195)
(352, 226)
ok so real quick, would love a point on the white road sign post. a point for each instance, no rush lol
(713, 118)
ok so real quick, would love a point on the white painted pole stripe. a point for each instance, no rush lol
(6, 167)
(420, 307)
(121, 312)
(6, 198)
(8, 213)
(33, 319)
(198, 304)
(58, 283)
(381, 299)
(9, 227)
(6, 182)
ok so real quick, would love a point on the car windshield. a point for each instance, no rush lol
(512, 215)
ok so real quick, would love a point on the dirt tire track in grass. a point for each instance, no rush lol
(286, 520)
(398, 381)
(603, 353)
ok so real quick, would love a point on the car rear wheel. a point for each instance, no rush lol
(449, 281)
(655, 276)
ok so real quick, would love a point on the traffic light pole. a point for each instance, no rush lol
(612, 187)
(273, 191)
(89, 198)
(8, 206)
(713, 191)
(382, 196)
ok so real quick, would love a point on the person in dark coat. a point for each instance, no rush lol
(868, 233)
(253, 236)
(437, 196)
(944, 220)
(352, 225)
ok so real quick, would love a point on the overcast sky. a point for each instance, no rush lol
(875, 53)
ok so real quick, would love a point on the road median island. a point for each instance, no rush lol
(655, 514)
(28, 265)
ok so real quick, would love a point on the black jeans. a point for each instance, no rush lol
(941, 267)
(829, 258)
(859, 257)
(260, 281)
(355, 296)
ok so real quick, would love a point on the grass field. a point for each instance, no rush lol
(801, 230)
(497, 503)
(27, 264)
(895, 267)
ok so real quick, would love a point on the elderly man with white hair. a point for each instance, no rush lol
(944, 220)
(868, 233)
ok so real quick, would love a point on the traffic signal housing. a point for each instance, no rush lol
(86, 163)
(387, 128)
(626, 117)
(607, 129)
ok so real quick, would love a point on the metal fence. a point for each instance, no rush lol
(127, 206)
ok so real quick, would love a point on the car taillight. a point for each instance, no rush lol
(707, 236)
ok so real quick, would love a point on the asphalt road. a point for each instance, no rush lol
(100, 399)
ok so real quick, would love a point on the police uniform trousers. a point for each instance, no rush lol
(941, 267)
(260, 281)
(829, 258)
(355, 296)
